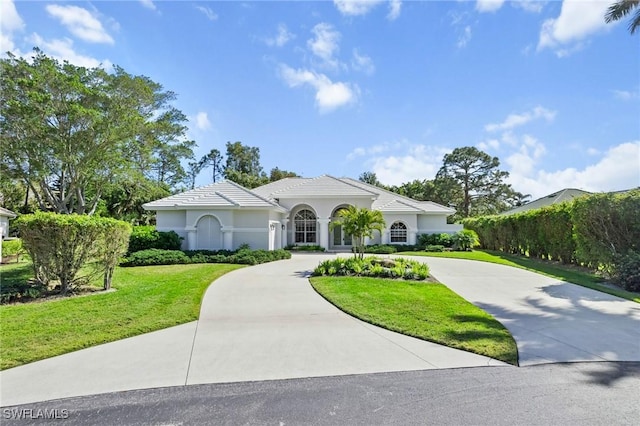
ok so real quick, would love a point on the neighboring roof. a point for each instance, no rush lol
(225, 194)
(561, 196)
(324, 186)
(7, 213)
(228, 194)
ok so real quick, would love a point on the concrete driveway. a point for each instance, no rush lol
(258, 323)
(551, 320)
(266, 322)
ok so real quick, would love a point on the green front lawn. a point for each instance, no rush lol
(146, 299)
(566, 273)
(428, 311)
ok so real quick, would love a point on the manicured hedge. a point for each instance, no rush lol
(600, 231)
(173, 257)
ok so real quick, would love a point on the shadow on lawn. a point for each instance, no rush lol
(493, 332)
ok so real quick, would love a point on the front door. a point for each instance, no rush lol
(340, 238)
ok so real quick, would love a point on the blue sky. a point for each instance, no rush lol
(342, 87)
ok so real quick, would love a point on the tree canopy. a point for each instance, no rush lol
(481, 187)
(67, 132)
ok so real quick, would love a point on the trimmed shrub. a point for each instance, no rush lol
(305, 248)
(156, 257)
(380, 249)
(442, 239)
(60, 245)
(172, 257)
(434, 248)
(147, 237)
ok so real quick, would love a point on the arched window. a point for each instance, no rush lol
(305, 225)
(398, 232)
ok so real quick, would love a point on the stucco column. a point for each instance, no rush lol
(384, 239)
(283, 235)
(191, 238)
(227, 239)
(323, 224)
(412, 237)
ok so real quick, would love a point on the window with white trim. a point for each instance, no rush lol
(398, 232)
(305, 226)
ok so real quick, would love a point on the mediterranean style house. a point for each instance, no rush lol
(291, 211)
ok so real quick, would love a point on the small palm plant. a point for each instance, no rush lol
(360, 223)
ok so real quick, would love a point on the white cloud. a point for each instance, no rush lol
(202, 121)
(329, 95)
(362, 7)
(527, 156)
(362, 63)
(148, 4)
(533, 6)
(577, 21)
(62, 50)
(626, 95)
(10, 23)
(355, 7)
(398, 162)
(491, 144)
(282, 38)
(515, 120)
(483, 6)
(394, 9)
(81, 23)
(325, 43)
(208, 12)
(465, 37)
(618, 168)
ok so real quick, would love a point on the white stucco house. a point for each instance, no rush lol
(225, 215)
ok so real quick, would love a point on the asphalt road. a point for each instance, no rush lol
(606, 393)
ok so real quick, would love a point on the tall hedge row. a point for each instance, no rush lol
(596, 230)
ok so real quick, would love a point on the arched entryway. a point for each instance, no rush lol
(338, 238)
(208, 233)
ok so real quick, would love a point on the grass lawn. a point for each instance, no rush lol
(429, 311)
(146, 299)
(566, 273)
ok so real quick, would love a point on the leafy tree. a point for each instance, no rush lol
(474, 182)
(360, 224)
(67, 132)
(193, 170)
(243, 165)
(277, 174)
(622, 8)
(370, 178)
(214, 160)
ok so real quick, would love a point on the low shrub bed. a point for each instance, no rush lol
(373, 267)
(174, 257)
(304, 248)
(147, 237)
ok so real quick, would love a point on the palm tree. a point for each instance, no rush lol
(622, 8)
(359, 223)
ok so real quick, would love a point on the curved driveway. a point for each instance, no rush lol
(266, 322)
(551, 320)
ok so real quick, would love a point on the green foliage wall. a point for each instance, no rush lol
(596, 230)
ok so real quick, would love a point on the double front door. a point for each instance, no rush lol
(340, 238)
